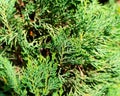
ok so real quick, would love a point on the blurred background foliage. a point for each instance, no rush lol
(59, 48)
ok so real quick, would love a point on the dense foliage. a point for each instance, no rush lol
(59, 48)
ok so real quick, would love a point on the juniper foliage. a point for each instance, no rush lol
(59, 48)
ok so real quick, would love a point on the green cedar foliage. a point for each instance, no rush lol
(59, 48)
